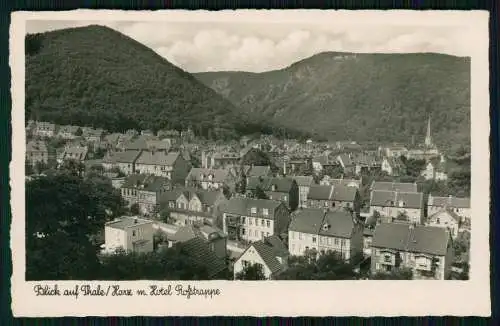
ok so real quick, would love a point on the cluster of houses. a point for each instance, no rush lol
(277, 213)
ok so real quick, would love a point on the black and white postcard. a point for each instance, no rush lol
(250, 162)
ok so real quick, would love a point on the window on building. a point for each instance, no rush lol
(243, 220)
(387, 259)
(250, 221)
(267, 234)
(243, 231)
(265, 211)
(262, 222)
(300, 236)
(133, 233)
(262, 234)
(268, 223)
(326, 203)
(314, 239)
(343, 242)
(254, 210)
(336, 241)
(285, 198)
(438, 221)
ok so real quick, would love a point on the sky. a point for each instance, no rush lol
(198, 45)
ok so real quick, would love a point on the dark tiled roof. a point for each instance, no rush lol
(243, 206)
(338, 223)
(268, 255)
(307, 220)
(36, 146)
(277, 244)
(198, 249)
(394, 186)
(146, 182)
(267, 183)
(158, 158)
(320, 192)
(344, 182)
(257, 170)
(450, 201)
(404, 237)
(397, 199)
(123, 157)
(448, 211)
(346, 160)
(344, 193)
(303, 181)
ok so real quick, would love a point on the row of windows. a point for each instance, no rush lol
(257, 221)
(313, 238)
(254, 233)
(265, 211)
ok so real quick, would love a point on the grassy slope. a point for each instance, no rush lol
(384, 97)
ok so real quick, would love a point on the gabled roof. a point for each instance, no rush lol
(268, 254)
(304, 181)
(343, 182)
(267, 183)
(122, 157)
(344, 193)
(198, 249)
(449, 201)
(320, 192)
(158, 158)
(394, 186)
(201, 174)
(394, 199)
(146, 182)
(447, 211)
(257, 170)
(307, 220)
(243, 206)
(338, 223)
(277, 244)
(345, 160)
(417, 239)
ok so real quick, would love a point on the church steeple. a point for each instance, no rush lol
(428, 139)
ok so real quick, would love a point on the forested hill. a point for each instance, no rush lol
(99, 77)
(379, 97)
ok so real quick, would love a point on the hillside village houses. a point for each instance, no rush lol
(427, 251)
(284, 189)
(128, 233)
(460, 206)
(37, 151)
(187, 206)
(144, 191)
(393, 205)
(171, 165)
(210, 178)
(163, 177)
(325, 196)
(250, 219)
(325, 230)
(270, 253)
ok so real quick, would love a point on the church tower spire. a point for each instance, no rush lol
(428, 139)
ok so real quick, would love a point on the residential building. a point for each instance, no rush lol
(215, 240)
(271, 254)
(304, 183)
(460, 206)
(445, 218)
(366, 163)
(67, 132)
(347, 164)
(324, 230)
(199, 250)
(394, 186)
(92, 135)
(210, 178)
(393, 151)
(145, 191)
(37, 151)
(44, 129)
(322, 196)
(193, 206)
(129, 233)
(426, 250)
(393, 166)
(171, 165)
(251, 219)
(219, 159)
(435, 170)
(396, 205)
(77, 153)
(124, 161)
(284, 189)
(327, 180)
(257, 171)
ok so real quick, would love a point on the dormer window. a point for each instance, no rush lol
(254, 210)
(273, 187)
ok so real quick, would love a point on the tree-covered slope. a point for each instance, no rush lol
(384, 97)
(97, 76)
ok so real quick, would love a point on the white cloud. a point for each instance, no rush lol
(209, 46)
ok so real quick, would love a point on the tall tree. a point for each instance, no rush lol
(251, 272)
